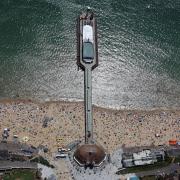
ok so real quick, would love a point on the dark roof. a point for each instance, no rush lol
(89, 154)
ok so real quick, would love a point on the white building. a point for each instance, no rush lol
(143, 158)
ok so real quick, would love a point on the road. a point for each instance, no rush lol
(8, 165)
(165, 170)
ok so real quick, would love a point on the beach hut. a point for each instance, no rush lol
(172, 142)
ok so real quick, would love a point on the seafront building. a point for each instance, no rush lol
(142, 157)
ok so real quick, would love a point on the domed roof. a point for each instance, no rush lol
(89, 155)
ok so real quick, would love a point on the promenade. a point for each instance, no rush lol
(9, 165)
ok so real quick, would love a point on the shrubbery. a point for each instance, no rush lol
(43, 161)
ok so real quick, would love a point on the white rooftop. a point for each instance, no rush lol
(87, 33)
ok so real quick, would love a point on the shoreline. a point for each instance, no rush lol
(95, 106)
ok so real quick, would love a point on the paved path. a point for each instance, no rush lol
(62, 170)
(8, 165)
(166, 170)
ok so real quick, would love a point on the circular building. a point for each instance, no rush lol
(89, 155)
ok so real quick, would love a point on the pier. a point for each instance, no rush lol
(89, 154)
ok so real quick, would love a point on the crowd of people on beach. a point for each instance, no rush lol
(43, 123)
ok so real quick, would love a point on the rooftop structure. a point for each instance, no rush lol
(87, 48)
(143, 157)
(89, 155)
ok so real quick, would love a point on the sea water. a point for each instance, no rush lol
(139, 51)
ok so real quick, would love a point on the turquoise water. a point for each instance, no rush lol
(139, 51)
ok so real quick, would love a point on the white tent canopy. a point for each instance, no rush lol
(87, 33)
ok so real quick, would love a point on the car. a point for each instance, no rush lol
(61, 155)
(63, 150)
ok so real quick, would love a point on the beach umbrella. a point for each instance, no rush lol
(25, 138)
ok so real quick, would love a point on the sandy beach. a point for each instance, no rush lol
(44, 123)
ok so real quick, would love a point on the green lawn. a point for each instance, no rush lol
(20, 175)
(177, 159)
(43, 161)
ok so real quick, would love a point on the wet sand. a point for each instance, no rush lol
(65, 121)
